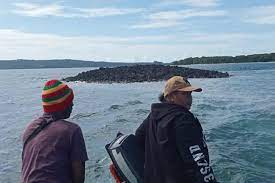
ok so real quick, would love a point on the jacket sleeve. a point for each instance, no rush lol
(141, 133)
(193, 150)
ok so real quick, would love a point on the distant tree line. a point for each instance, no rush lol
(55, 63)
(62, 63)
(70, 63)
(268, 57)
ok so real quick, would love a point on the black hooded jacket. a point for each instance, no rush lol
(174, 145)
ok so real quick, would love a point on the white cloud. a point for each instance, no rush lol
(38, 10)
(204, 38)
(184, 14)
(157, 24)
(175, 18)
(14, 35)
(193, 3)
(260, 15)
(102, 12)
(16, 44)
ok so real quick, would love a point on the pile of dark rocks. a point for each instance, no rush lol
(143, 73)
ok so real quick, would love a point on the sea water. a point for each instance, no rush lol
(237, 115)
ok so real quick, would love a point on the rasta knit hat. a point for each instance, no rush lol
(56, 96)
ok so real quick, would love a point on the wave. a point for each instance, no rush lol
(115, 107)
(129, 103)
(142, 111)
(133, 102)
(121, 120)
(83, 115)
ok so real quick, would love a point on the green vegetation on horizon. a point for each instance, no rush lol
(70, 63)
(267, 57)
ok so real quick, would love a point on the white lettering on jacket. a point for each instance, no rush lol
(194, 148)
(202, 163)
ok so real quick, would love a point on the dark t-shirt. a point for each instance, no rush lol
(49, 155)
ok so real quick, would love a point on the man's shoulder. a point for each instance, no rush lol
(31, 126)
(185, 118)
(185, 115)
(67, 125)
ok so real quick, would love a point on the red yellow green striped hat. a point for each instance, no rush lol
(56, 96)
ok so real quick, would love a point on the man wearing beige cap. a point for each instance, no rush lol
(173, 140)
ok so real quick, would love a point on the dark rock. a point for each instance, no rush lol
(142, 73)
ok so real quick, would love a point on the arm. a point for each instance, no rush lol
(193, 151)
(141, 132)
(78, 156)
(78, 171)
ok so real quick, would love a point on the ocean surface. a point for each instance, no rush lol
(237, 114)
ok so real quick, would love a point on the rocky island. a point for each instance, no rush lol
(142, 73)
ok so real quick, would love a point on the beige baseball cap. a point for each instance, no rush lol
(178, 83)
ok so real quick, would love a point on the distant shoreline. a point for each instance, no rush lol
(69, 63)
(47, 68)
(232, 63)
(266, 57)
(135, 63)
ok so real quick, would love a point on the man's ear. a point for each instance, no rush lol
(173, 97)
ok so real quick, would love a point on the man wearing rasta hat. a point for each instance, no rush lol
(173, 140)
(53, 148)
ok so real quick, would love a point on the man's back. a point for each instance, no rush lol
(165, 137)
(47, 157)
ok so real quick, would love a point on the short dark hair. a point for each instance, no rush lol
(162, 98)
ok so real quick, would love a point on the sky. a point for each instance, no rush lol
(135, 31)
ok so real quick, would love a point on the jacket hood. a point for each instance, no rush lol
(161, 110)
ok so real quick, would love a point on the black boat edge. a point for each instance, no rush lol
(127, 158)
